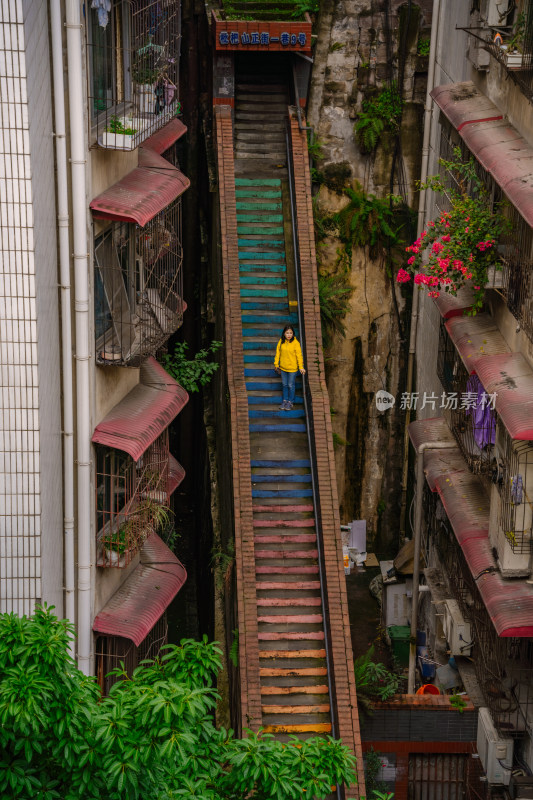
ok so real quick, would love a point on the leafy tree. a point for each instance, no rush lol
(152, 737)
(191, 373)
(373, 680)
(334, 292)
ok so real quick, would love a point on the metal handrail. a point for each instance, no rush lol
(310, 440)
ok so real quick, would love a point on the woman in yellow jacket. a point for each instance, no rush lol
(288, 361)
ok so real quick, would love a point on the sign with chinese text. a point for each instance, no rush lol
(240, 35)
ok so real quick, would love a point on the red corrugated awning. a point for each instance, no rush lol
(498, 147)
(439, 463)
(176, 474)
(510, 378)
(466, 504)
(433, 429)
(166, 136)
(144, 597)
(143, 192)
(136, 422)
(476, 337)
(450, 305)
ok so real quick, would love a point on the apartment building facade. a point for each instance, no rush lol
(92, 289)
(477, 458)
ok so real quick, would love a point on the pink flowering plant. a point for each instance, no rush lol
(459, 245)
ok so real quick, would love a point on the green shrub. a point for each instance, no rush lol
(380, 112)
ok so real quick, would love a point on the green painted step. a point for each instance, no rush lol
(256, 193)
(257, 182)
(259, 242)
(258, 206)
(243, 255)
(245, 292)
(241, 229)
(260, 281)
(259, 217)
(262, 268)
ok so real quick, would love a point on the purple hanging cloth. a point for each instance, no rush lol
(483, 417)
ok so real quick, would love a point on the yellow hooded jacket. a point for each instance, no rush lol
(289, 356)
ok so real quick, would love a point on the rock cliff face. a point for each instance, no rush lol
(362, 47)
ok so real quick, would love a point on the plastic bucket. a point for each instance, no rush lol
(428, 688)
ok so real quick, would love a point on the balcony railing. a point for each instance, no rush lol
(138, 288)
(132, 70)
(513, 474)
(467, 407)
(114, 652)
(131, 500)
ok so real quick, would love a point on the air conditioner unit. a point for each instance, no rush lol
(496, 754)
(457, 631)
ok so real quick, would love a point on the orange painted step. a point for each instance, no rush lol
(324, 708)
(286, 553)
(289, 672)
(283, 509)
(319, 728)
(284, 523)
(299, 636)
(296, 585)
(280, 570)
(292, 654)
(292, 601)
(304, 618)
(322, 689)
(273, 538)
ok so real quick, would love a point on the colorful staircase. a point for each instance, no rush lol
(293, 669)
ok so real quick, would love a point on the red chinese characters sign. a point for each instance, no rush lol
(240, 35)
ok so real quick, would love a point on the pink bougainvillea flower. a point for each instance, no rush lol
(420, 279)
(411, 260)
(446, 237)
(437, 247)
(402, 276)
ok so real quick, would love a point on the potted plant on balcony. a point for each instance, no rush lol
(513, 47)
(145, 75)
(147, 518)
(119, 134)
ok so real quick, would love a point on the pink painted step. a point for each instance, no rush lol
(280, 570)
(283, 509)
(297, 585)
(295, 537)
(293, 601)
(286, 554)
(303, 618)
(284, 523)
(298, 636)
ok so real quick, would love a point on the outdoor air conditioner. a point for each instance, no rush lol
(456, 630)
(496, 754)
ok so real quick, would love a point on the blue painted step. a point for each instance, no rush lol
(257, 182)
(261, 373)
(303, 462)
(261, 332)
(262, 386)
(271, 305)
(281, 319)
(281, 479)
(280, 428)
(260, 242)
(255, 359)
(272, 400)
(260, 346)
(297, 413)
(282, 493)
(245, 292)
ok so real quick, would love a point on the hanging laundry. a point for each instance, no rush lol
(483, 417)
(103, 7)
(517, 490)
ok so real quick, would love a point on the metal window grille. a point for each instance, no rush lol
(138, 288)
(437, 776)
(467, 407)
(503, 665)
(514, 477)
(113, 651)
(129, 499)
(132, 70)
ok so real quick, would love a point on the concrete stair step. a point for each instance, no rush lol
(293, 636)
(291, 690)
(292, 709)
(301, 619)
(283, 602)
(286, 569)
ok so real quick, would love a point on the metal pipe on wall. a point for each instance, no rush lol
(419, 228)
(416, 553)
(81, 306)
(66, 317)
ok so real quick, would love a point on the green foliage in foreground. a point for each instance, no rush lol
(191, 373)
(152, 737)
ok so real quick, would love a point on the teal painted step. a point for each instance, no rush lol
(259, 218)
(281, 478)
(271, 280)
(275, 319)
(279, 306)
(281, 463)
(261, 332)
(283, 428)
(256, 193)
(262, 414)
(248, 359)
(257, 182)
(255, 400)
(282, 493)
(245, 292)
(253, 256)
(262, 268)
(258, 206)
(260, 373)
(260, 346)
(242, 229)
(259, 242)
